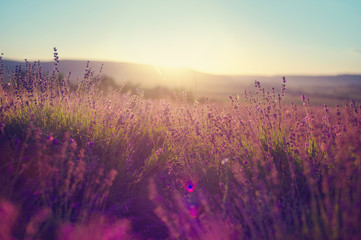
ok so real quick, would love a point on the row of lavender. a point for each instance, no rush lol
(79, 163)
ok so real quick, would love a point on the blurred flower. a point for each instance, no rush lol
(190, 187)
(225, 161)
(193, 211)
(50, 138)
(17, 141)
(90, 144)
(35, 222)
(8, 216)
(55, 142)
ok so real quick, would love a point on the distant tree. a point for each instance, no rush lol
(130, 87)
(108, 84)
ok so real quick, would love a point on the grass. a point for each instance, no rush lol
(79, 163)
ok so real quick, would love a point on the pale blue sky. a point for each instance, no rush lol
(225, 36)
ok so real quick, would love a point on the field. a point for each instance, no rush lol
(79, 163)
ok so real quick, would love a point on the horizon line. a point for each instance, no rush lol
(188, 68)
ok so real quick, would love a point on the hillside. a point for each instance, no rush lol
(322, 89)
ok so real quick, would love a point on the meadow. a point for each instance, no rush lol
(80, 163)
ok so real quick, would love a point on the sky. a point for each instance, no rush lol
(263, 37)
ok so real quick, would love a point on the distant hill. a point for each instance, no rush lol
(321, 89)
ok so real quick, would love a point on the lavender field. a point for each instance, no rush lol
(79, 163)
